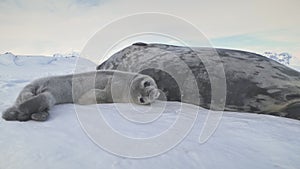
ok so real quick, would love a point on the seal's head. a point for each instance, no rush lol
(143, 90)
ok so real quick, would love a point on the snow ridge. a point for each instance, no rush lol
(283, 57)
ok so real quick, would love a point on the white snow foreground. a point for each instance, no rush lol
(242, 140)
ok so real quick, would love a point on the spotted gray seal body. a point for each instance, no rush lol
(254, 83)
(39, 96)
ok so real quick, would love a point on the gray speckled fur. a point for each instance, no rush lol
(254, 83)
(39, 96)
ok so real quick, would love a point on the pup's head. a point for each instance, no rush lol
(143, 90)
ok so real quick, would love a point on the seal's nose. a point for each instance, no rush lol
(154, 94)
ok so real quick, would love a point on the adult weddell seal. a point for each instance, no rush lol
(253, 83)
(39, 96)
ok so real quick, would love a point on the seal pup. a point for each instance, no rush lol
(254, 83)
(39, 96)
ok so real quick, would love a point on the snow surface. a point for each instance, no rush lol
(242, 140)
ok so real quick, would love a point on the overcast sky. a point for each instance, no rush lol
(61, 26)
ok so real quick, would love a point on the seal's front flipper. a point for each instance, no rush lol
(41, 116)
(93, 96)
(293, 111)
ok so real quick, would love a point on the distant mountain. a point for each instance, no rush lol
(283, 58)
(72, 54)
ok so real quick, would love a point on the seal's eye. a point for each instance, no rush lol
(142, 100)
(146, 84)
